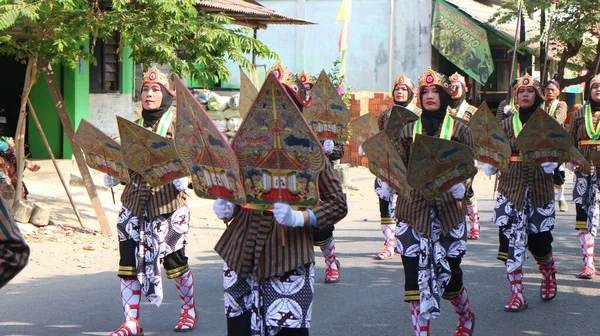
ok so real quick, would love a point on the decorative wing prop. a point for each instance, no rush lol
(464, 121)
(579, 160)
(436, 165)
(280, 157)
(328, 115)
(363, 128)
(248, 93)
(543, 139)
(386, 163)
(399, 117)
(491, 145)
(205, 152)
(101, 151)
(147, 153)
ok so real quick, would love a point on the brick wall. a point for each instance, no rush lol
(361, 103)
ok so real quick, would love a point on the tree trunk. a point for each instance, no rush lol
(30, 78)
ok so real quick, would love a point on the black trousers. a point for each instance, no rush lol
(559, 177)
(411, 277)
(173, 261)
(240, 326)
(539, 244)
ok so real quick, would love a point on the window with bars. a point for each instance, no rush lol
(105, 74)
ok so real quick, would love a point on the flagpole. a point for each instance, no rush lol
(547, 47)
(514, 52)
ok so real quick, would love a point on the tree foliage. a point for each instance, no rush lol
(574, 34)
(172, 32)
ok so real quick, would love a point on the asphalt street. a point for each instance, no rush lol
(367, 301)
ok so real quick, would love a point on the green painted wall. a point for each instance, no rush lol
(76, 94)
(46, 112)
(127, 71)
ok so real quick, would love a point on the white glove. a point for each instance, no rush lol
(458, 191)
(223, 209)
(506, 109)
(181, 183)
(361, 152)
(549, 167)
(386, 190)
(285, 215)
(110, 181)
(571, 166)
(328, 146)
(489, 170)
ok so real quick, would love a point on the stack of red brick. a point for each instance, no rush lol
(361, 103)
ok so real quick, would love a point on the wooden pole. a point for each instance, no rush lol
(70, 133)
(547, 47)
(62, 179)
(514, 51)
(30, 77)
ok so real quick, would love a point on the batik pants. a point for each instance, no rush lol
(272, 305)
(586, 196)
(522, 229)
(431, 263)
(146, 243)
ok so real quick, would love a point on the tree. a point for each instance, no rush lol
(169, 32)
(574, 35)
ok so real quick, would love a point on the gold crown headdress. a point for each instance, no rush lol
(306, 78)
(285, 77)
(155, 76)
(528, 81)
(404, 80)
(458, 78)
(430, 77)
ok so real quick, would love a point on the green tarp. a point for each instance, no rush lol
(462, 41)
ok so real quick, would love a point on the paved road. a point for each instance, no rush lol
(368, 301)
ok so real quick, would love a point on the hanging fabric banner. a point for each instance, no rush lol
(462, 41)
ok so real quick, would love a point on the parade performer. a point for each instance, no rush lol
(324, 238)
(558, 110)
(153, 223)
(14, 251)
(524, 210)
(432, 262)
(402, 94)
(461, 109)
(506, 106)
(260, 267)
(584, 130)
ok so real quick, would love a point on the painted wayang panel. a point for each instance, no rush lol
(212, 163)
(102, 153)
(328, 115)
(280, 157)
(149, 154)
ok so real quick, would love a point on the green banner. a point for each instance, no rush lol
(462, 41)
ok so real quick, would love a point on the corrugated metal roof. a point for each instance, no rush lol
(249, 13)
(483, 13)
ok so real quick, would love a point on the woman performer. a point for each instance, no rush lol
(432, 261)
(403, 94)
(461, 109)
(524, 209)
(259, 268)
(153, 223)
(324, 238)
(584, 130)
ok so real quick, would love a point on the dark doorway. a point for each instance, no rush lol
(10, 94)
